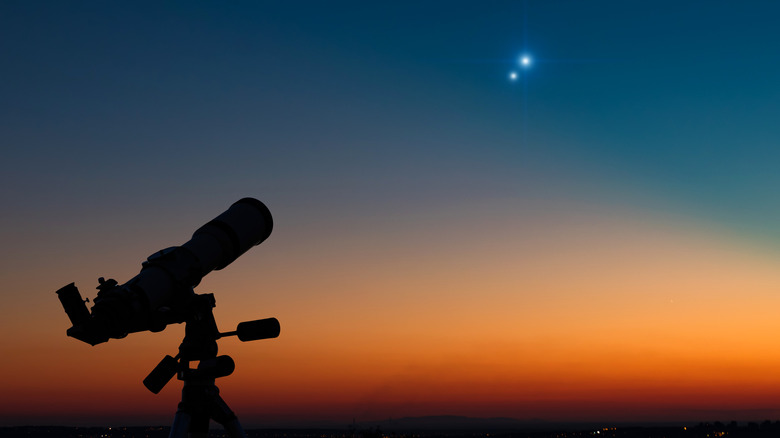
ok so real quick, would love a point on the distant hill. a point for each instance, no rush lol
(496, 424)
(454, 422)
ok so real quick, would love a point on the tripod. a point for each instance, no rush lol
(200, 400)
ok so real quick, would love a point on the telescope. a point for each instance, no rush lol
(162, 294)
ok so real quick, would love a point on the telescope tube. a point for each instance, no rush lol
(160, 293)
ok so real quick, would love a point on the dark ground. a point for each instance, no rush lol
(701, 430)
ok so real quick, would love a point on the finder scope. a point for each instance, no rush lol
(162, 293)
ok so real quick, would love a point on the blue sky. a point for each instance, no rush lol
(671, 100)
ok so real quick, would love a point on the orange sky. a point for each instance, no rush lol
(562, 312)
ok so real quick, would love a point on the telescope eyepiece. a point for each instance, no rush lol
(73, 304)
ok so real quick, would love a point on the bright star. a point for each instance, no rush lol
(513, 76)
(525, 61)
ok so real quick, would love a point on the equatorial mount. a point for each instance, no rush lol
(200, 400)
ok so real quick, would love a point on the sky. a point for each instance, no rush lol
(594, 241)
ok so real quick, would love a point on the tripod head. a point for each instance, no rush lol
(200, 344)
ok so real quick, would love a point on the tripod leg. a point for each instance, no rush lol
(221, 413)
(234, 429)
(191, 420)
(181, 424)
(199, 426)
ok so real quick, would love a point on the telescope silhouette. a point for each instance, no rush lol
(162, 294)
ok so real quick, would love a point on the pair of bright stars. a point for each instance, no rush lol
(524, 62)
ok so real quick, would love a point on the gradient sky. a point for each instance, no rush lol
(597, 241)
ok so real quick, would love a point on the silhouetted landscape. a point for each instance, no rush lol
(450, 426)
